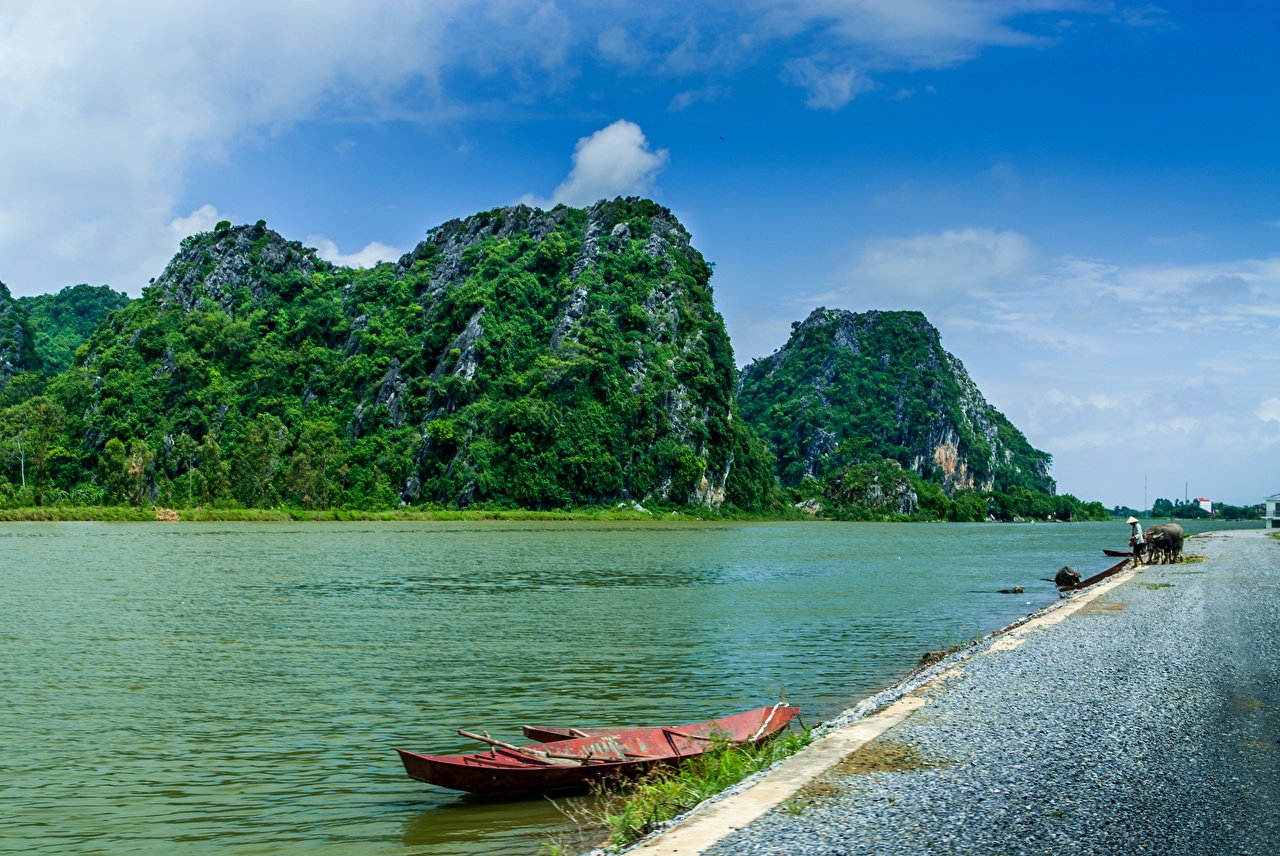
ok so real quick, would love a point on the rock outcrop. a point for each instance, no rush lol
(215, 266)
(17, 347)
(850, 387)
(881, 488)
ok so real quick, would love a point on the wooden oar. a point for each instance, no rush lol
(556, 760)
(555, 757)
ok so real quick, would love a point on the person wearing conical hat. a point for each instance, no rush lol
(1135, 539)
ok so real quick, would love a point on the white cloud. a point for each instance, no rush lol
(1120, 370)
(107, 106)
(1246, 285)
(374, 252)
(1142, 16)
(203, 219)
(615, 161)
(830, 87)
(873, 36)
(915, 33)
(953, 262)
(708, 93)
(617, 45)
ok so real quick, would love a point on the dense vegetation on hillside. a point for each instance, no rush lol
(848, 387)
(62, 322)
(868, 412)
(519, 357)
(885, 490)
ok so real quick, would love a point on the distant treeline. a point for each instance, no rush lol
(1189, 511)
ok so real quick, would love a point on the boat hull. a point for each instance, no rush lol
(500, 781)
(606, 753)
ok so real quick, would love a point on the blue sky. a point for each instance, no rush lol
(1084, 197)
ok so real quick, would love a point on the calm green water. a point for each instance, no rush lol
(238, 689)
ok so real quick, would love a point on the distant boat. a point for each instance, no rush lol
(566, 764)
(1117, 552)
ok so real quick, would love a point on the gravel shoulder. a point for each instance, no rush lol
(1146, 721)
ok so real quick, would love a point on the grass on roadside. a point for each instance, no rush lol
(631, 810)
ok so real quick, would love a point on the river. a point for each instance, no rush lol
(238, 689)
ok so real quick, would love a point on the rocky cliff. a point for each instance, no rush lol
(519, 356)
(17, 348)
(853, 387)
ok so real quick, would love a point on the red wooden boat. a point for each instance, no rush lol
(567, 765)
(1117, 552)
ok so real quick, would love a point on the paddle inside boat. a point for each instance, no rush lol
(571, 759)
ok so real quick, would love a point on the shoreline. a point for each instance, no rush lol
(1148, 726)
(707, 823)
(158, 514)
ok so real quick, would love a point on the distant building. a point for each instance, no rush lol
(1270, 517)
(1206, 504)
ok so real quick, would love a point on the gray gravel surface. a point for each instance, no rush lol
(1145, 728)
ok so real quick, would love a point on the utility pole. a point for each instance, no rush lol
(1145, 505)
(22, 462)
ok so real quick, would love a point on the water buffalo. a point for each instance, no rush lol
(1163, 544)
(1067, 577)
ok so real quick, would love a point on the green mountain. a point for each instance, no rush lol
(517, 357)
(855, 388)
(62, 322)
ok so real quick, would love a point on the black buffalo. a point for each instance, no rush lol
(1163, 544)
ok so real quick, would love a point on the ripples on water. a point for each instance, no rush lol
(238, 689)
